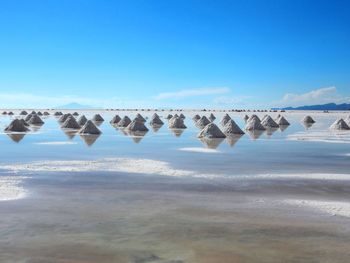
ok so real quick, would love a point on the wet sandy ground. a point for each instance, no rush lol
(115, 217)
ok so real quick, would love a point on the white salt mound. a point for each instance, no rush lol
(156, 120)
(124, 122)
(169, 116)
(231, 127)
(115, 119)
(16, 126)
(64, 117)
(182, 116)
(268, 122)
(211, 131)
(282, 121)
(225, 119)
(137, 125)
(89, 128)
(196, 117)
(308, 119)
(35, 120)
(139, 117)
(202, 122)
(71, 123)
(97, 118)
(177, 123)
(254, 125)
(23, 112)
(253, 117)
(246, 117)
(212, 117)
(339, 124)
(82, 120)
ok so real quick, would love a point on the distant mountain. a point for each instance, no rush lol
(75, 106)
(328, 106)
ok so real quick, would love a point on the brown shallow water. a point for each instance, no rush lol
(135, 218)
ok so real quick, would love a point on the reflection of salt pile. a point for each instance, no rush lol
(115, 120)
(268, 122)
(82, 120)
(308, 119)
(202, 122)
(176, 123)
(16, 137)
(89, 128)
(35, 120)
(156, 120)
(137, 126)
(97, 118)
(124, 122)
(232, 139)
(339, 124)
(225, 119)
(196, 117)
(254, 124)
(281, 121)
(232, 128)
(140, 118)
(211, 131)
(89, 139)
(16, 126)
(71, 123)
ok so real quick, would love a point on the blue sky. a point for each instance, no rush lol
(174, 53)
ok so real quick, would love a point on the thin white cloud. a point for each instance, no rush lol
(192, 93)
(317, 96)
(229, 100)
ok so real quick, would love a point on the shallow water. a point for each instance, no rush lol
(173, 198)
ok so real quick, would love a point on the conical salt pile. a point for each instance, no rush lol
(156, 120)
(46, 113)
(212, 117)
(97, 118)
(232, 128)
(75, 114)
(253, 117)
(58, 113)
(64, 117)
(124, 122)
(246, 117)
(196, 117)
(263, 118)
(225, 119)
(139, 117)
(155, 115)
(202, 122)
(10, 113)
(115, 120)
(169, 116)
(137, 126)
(176, 123)
(89, 128)
(308, 119)
(339, 125)
(35, 120)
(33, 112)
(39, 113)
(176, 116)
(23, 112)
(281, 121)
(254, 125)
(82, 120)
(24, 122)
(182, 116)
(27, 118)
(211, 131)
(16, 126)
(70, 123)
(268, 122)
(348, 120)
